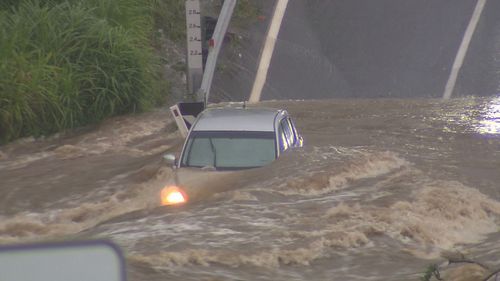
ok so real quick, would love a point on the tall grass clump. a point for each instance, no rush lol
(70, 63)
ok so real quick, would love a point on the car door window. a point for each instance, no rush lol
(287, 132)
(294, 131)
(283, 142)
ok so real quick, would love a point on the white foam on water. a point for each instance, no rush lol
(118, 134)
(363, 166)
(26, 226)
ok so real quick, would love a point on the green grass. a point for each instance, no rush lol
(170, 16)
(245, 13)
(431, 271)
(65, 64)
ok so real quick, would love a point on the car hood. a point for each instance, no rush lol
(199, 184)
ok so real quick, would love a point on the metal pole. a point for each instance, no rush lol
(217, 40)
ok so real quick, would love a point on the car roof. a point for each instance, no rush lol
(237, 119)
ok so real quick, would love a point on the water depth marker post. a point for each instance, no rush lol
(464, 47)
(194, 48)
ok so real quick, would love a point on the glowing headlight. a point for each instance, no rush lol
(171, 195)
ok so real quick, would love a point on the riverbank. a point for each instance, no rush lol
(67, 64)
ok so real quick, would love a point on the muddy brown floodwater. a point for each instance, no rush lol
(381, 189)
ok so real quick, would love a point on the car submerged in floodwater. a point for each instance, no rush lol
(228, 139)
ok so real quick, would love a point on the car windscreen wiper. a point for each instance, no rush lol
(212, 147)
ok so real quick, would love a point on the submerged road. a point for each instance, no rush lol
(359, 48)
(381, 188)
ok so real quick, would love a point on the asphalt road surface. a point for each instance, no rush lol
(360, 48)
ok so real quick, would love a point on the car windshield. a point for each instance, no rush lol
(229, 150)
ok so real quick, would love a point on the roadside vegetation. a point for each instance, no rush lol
(245, 13)
(69, 63)
(458, 267)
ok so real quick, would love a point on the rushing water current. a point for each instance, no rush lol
(381, 189)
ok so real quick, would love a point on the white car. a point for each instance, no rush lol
(228, 139)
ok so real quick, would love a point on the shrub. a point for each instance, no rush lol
(65, 64)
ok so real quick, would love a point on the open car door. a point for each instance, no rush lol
(185, 114)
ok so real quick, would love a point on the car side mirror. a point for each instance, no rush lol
(170, 159)
(63, 261)
(301, 141)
